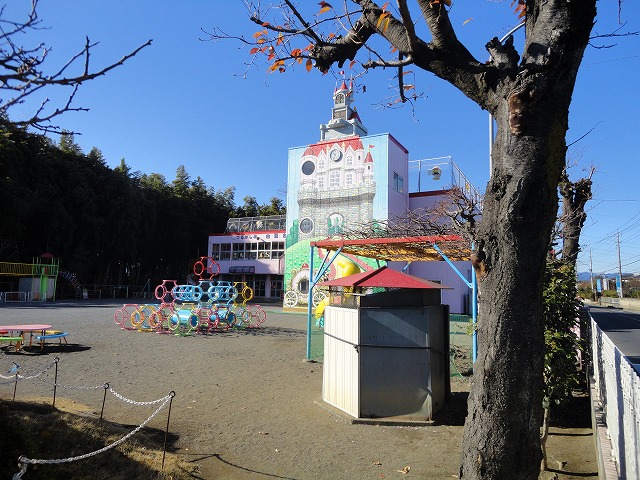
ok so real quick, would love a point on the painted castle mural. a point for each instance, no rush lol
(345, 180)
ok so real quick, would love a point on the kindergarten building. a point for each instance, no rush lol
(344, 181)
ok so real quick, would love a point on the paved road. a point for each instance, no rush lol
(622, 327)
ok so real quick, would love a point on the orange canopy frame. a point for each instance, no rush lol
(449, 248)
(401, 249)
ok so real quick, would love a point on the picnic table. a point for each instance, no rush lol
(21, 330)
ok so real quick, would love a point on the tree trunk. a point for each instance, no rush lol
(575, 196)
(502, 432)
(505, 403)
(505, 409)
(545, 436)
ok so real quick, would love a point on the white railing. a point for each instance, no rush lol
(17, 296)
(440, 173)
(618, 386)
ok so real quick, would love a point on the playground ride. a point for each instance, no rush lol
(345, 267)
(202, 306)
(37, 280)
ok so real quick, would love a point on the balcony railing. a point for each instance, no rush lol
(440, 173)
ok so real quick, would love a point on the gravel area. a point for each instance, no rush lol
(247, 405)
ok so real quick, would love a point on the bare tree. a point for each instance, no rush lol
(528, 93)
(575, 196)
(23, 75)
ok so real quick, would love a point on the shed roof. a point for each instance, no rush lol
(382, 277)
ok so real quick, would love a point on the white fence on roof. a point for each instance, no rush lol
(618, 386)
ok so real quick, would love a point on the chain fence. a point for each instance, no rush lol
(16, 375)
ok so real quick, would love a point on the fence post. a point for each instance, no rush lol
(166, 432)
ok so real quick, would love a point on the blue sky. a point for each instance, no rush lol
(185, 101)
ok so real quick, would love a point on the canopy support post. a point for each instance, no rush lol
(473, 286)
(312, 283)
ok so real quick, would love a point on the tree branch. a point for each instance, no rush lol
(22, 74)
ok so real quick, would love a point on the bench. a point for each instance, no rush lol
(51, 335)
(18, 341)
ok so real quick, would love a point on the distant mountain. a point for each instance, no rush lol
(586, 276)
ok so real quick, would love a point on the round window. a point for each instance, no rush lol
(308, 167)
(306, 225)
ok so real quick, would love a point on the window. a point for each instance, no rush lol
(398, 183)
(349, 161)
(334, 179)
(308, 167)
(259, 286)
(238, 251)
(215, 251)
(340, 114)
(321, 183)
(321, 164)
(225, 251)
(339, 98)
(306, 225)
(277, 249)
(276, 289)
(251, 250)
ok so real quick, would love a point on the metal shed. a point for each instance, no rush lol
(386, 346)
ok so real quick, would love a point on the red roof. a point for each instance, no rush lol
(354, 142)
(382, 277)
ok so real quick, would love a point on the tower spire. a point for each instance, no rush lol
(345, 121)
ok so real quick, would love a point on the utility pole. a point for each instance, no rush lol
(619, 262)
(593, 292)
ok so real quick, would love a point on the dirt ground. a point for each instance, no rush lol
(248, 406)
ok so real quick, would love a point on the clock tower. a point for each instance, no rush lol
(345, 121)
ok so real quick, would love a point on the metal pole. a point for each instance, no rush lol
(15, 387)
(593, 296)
(619, 263)
(474, 314)
(55, 381)
(310, 302)
(166, 432)
(104, 398)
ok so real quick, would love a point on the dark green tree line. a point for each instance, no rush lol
(109, 226)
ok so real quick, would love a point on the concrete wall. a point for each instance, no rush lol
(630, 304)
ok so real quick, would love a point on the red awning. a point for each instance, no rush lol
(382, 277)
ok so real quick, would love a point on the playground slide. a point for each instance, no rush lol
(345, 267)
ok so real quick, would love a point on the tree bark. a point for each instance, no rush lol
(502, 431)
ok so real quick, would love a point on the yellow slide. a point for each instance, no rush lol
(345, 268)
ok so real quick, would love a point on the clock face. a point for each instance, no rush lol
(335, 155)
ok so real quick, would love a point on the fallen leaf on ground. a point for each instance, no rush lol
(405, 469)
